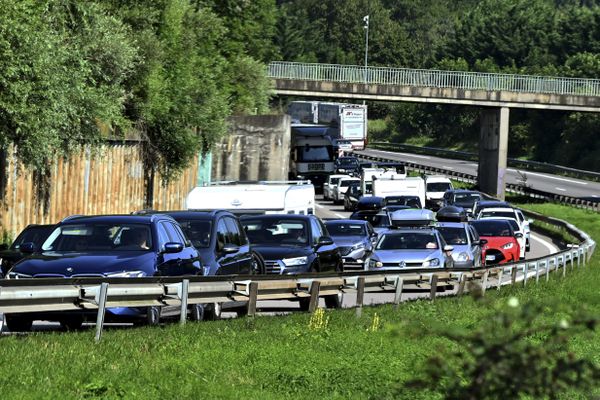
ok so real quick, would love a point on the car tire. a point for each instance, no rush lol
(18, 323)
(72, 323)
(196, 312)
(258, 264)
(212, 311)
(153, 316)
(1, 322)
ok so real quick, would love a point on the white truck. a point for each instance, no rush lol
(351, 119)
(435, 187)
(387, 187)
(368, 174)
(263, 197)
(313, 153)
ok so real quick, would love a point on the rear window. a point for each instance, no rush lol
(493, 228)
(346, 229)
(488, 214)
(453, 235)
(438, 187)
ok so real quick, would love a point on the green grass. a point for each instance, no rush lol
(282, 357)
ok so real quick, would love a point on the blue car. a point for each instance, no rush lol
(108, 246)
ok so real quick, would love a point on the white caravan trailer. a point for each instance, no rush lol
(413, 186)
(263, 197)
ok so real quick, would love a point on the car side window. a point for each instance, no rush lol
(222, 234)
(316, 231)
(520, 216)
(234, 233)
(162, 235)
(182, 238)
(473, 234)
(174, 234)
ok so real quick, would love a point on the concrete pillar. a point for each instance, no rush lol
(493, 150)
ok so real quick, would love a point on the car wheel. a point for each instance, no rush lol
(17, 323)
(72, 323)
(1, 322)
(196, 312)
(333, 301)
(258, 264)
(153, 316)
(212, 311)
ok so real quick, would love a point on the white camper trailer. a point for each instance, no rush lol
(263, 197)
(413, 186)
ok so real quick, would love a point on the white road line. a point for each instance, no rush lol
(551, 248)
(404, 154)
(319, 206)
(447, 167)
(340, 216)
(550, 177)
(561, 189)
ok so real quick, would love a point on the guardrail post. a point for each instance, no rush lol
(185, 285)
(484, 282)
(525, 272)
(537, 272)
(461, 285)
(253, 296)
(547, 266)
(500, 275)
(564, 269)
(360, 295)
(398, 293)
(513, 274)
(433, 289)
(556, 264)
(101, 300)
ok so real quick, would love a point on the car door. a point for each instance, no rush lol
(185, 262)
(475, 247)
(329, 255)
(243, 257)
(227, 262)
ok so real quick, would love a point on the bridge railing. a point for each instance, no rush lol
(434, 78)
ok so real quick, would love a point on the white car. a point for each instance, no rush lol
(510, 213)
(330, 185)
(341, 188)
(518, 229)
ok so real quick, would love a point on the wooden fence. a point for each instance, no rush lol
(109, 180)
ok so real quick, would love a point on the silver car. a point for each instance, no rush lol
(410, 248)
(465, 240)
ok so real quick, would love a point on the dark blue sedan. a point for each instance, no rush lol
(355, 240)
(111, 246)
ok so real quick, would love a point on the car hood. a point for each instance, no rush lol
(278, 252)
(391, 256)
(345, 241)
(95, 264)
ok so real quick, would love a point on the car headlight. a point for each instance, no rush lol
(358, 246)
(17, 275)
(508, 246)
(375, 263)
(461, 257)
(290, 262)
(126, 274)
(431, 263)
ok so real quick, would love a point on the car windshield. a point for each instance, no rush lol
(492, 228)
(314, 153)
(197, 231)
(276, 231)
(346, 229)
(377, 220)
(334, 181)
(453, 235)
(347, 182)
(33, 234)
(488, 214)
(438, 186)
(407, 241)
(99, 237)
(412, 201)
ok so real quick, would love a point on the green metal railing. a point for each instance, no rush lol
(434, 78)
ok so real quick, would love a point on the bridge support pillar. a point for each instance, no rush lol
(493, 150)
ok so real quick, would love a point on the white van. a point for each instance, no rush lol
(368, 174)
(412, 186)
(263, 197)
(435, 187)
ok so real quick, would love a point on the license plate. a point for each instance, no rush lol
(316, 167)
(490, 258)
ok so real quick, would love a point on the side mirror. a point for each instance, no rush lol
(27, 248)
(530, 221)
(324, 241)
(482, 241)
(172, 247)
(230, 249)
(518, 235)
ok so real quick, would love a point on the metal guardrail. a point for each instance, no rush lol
(56, 294)
(513, 188)
(434, 78)
(512, 162)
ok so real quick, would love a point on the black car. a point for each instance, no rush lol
(411, 201)
(347, 165)
(380, 220)
(466, 199)
(35, 234)
(352, 196)
(370, 203)
(292, 244)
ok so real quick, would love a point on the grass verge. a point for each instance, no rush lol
(334, 356)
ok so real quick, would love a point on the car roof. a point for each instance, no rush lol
(278, 216)
(499, 209)
(413, 213)
(116, 218)
(489, 220)
(411, 230)
(453, 224)
(346, 221)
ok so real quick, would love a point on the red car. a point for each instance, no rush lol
(502, 245)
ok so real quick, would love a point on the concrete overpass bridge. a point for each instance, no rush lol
(496, 93)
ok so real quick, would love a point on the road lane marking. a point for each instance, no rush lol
(340, 216)
(447, 167)
(405, 154)
(549, 177)
(561, 189)
(548, 245)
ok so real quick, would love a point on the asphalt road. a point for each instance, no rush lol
(559, 185)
